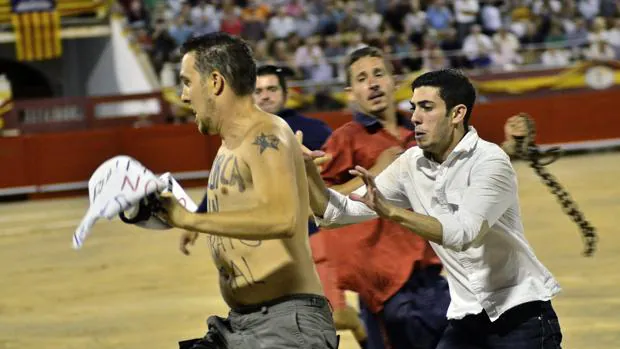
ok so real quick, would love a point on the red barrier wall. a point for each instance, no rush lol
(560, 118)
(39, 159)
(13, 172)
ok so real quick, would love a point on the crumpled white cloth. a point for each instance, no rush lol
(122, 184)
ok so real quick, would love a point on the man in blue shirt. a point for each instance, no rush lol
(270, 95)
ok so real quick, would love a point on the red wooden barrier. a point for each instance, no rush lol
(42, 159)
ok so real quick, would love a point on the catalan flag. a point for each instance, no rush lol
(36, 24)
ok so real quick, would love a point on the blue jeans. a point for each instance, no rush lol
(532, 325)
(414, 317)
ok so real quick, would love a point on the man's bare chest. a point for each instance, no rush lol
(230, 185)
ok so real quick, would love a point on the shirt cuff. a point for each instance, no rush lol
(335, 205)
(452, 234)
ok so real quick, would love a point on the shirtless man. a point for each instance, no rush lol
(257, 208)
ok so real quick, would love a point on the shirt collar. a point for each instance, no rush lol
(464, 146)
(371, 123)
(468, 142)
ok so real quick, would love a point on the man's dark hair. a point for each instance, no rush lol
(281, 72)
(227, 54)
(454, 88)
(367, 51)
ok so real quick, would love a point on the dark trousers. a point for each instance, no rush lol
(414, 317)
(532, 325)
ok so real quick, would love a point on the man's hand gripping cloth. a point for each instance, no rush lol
(123, 186)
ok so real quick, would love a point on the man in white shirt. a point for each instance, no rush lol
(465, 13)
(464, 199)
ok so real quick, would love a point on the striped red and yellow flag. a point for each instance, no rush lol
(37, 35)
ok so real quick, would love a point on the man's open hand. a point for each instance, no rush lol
(373, 198)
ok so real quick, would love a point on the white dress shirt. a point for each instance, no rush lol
(494, 270)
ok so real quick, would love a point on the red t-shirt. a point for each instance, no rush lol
(232, 25)
(374, 258)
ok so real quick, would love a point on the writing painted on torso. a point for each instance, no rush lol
(228, 190)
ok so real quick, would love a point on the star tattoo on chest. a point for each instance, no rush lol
(264, 142)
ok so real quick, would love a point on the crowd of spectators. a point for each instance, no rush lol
(312, 36)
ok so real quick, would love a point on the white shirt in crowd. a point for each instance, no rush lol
(555, 58)
(589, 8)
(493, 270)
(554, 5)
(414, 22)
(461, 9)
(506, 49)
(613, 35)
(370, 21)
(200, 12)
(281, 27)
(491, 17)
(477, 45)
(600, 50)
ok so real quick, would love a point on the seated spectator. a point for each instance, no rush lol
(309, 58)
(566, 18)
(439, 15)
(435, 60)
(163, 45)
(254, 17)
(546, 7)
(328, 20)
(306, 24)
(261, 53)
(478, 48)
(281, 25)
(394, 15)
(556, 34)
(402, 45)
(163, 10)
(413, 62)
(452, 48)
(179, 30)
(137, 15)
(205, 11)
(598, 31)
(202, 26)
(505, 53)
(599, 50)
(613, 36)
(370, 20)
(555, 57)
(490, 17)
(349, 22)
(294, 8)
(465, 16)
(414, 24)
(334, 49)
(589, 9)
(230, 19)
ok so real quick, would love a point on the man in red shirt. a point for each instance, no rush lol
(396, 273)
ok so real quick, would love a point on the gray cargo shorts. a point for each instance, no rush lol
(297, 321)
